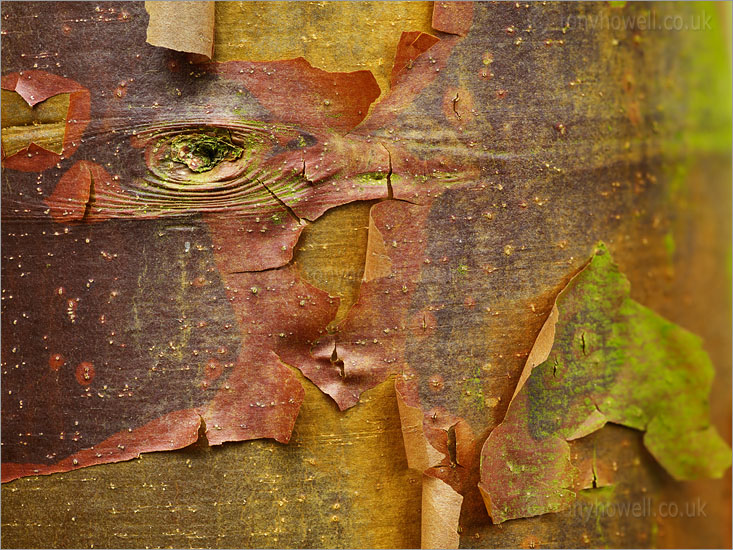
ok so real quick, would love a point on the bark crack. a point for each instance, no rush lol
(454, 101)
(90, 200)
(283, 203)
(390, 191)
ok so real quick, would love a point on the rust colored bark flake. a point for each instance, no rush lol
(260, 398)
(408, 83)
(171, 431)
(35, 87)
(252, 244)
(412, 44)
(70, 199)
(296, 92)
(83, 194)
(453, 17)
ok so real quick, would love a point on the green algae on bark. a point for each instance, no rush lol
(612, 360)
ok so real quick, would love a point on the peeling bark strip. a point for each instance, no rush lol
(182, 26)
(441, 507)
(611, 360)
(441, 447)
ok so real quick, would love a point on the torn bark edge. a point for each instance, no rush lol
(74, 197)
(175, 430)
(407, 86)
(181, 428)
(417, 60)
(412, 44)
(441, 504)
(546, 338)
(421, 455)
(540, 350)
(34, 87)
(182, 26)
(591, 473)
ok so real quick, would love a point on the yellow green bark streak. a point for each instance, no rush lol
(612, 360)
(44, 124)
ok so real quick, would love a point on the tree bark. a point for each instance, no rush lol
(486, 152)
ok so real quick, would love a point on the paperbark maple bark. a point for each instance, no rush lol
(566, 124)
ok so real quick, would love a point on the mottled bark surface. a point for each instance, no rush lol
(519, 146)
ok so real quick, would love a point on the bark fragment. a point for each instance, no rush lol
(42, 151)
(182, 26)
(611, 360)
